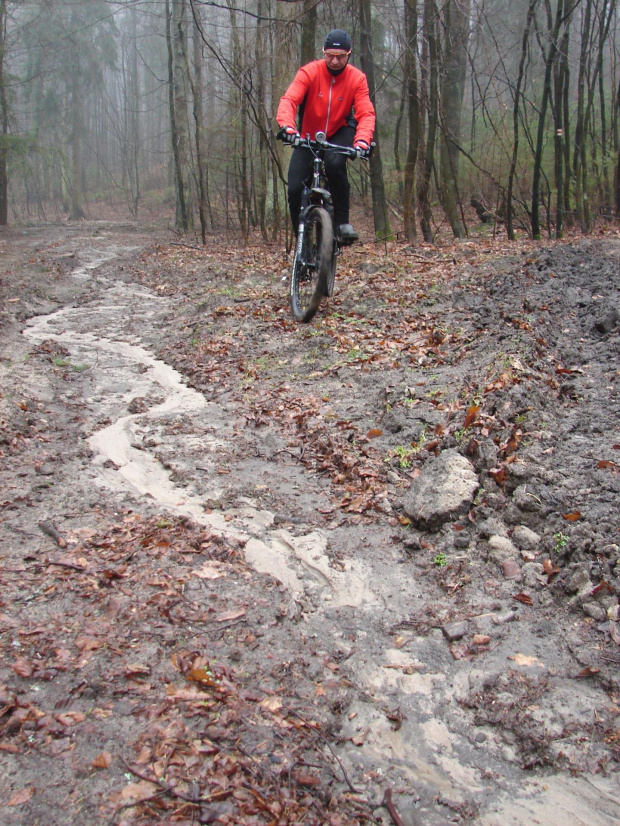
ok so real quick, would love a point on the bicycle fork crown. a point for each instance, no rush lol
(318, 195)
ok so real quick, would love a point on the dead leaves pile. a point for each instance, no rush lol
(217, 731)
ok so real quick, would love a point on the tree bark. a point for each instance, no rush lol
(308, 31)
(515, 119)
(379, 204)
(177, 105)
(454, 66)
(424, 186)
(197, 94)
(413, 116)
(4, 122)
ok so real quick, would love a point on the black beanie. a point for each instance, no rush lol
(337, 39)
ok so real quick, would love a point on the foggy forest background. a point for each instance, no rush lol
(488, 111)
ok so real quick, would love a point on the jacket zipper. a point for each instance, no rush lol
(329, 103)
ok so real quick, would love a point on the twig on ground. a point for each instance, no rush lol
(49, 562)
(316, 730)
(389, 805)
(52, 531)
(169, 790)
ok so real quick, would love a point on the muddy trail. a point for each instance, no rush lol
(359, 571)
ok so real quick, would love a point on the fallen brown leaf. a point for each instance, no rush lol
(102, 761)
(227, 616)
(588, 671)
(22, 796)
(470, 416)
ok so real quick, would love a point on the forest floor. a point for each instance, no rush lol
(241, 582)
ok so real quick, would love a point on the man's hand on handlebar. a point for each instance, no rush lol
(289, 135)
(362, 149)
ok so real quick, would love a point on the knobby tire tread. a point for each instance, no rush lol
(317, 251)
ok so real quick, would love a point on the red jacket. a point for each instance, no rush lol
(329, 101)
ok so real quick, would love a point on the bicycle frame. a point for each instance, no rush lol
(316, 194)
(318, 241)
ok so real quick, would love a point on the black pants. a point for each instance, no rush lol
(300, 173)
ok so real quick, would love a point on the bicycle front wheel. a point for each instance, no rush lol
(312, 264)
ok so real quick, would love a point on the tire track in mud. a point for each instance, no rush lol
(130, 372)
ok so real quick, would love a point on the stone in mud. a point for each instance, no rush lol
(501, 549)
(444, 490)
(525, 539)
(595, 610)
(491, 527)
(482, 453)
(579, 579)
(455, 631)
(607, 322)
(511, 569)
(534, 575)
(526, 500)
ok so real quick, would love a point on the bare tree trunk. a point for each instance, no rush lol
(452, 91)
(308, 31)
(197, 93)
(560, 84)
(379, 205)
(579, 152)
(515, 120)
(424, 186)
(397, 134)
(134, 110)
(177, 104)
(77, 120)
(4, 122)
(261, 176)
(413, 116)
(562, 17)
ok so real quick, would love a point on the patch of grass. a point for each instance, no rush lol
(560, 541)
(80, 368)
(403, 454)
(441, 560)
(61, 361)
(231, 292)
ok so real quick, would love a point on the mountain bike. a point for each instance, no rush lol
(318, 243)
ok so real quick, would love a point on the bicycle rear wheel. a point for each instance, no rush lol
(312, 265)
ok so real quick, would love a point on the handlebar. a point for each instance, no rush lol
(321, 144)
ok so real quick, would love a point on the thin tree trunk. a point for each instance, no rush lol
(515, 120)
(379, 204)
(452, 91)
(562, 17)
(4, 121)
(77, 119)
(182, 217)
(413, 116)
(424, 187)
(134, 114)
(197, 94)
(308, 31)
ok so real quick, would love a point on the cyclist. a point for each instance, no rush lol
(330, 96)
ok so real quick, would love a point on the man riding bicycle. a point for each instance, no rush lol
(331, 96)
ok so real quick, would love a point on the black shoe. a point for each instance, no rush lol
(347, 234)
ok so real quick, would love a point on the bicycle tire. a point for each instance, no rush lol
(311, 265)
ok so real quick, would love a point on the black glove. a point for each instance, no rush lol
(291, 136)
